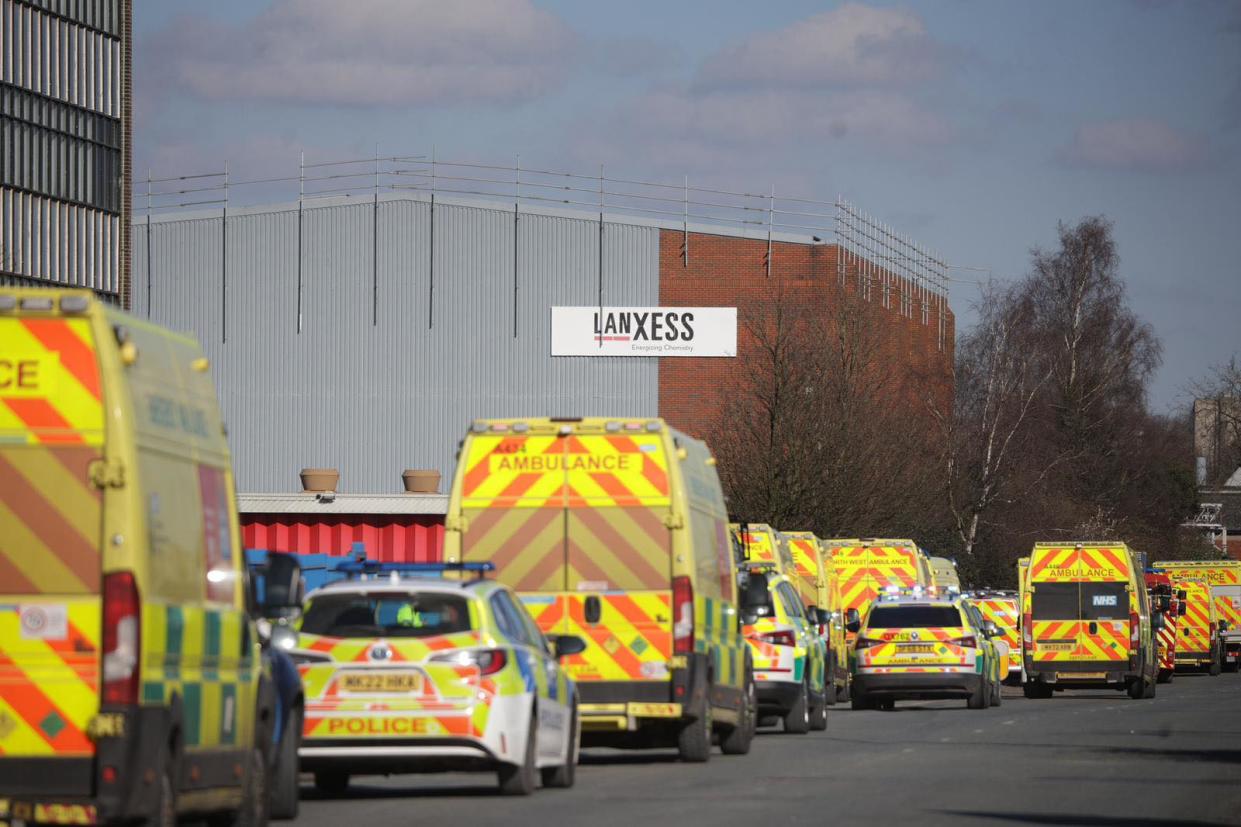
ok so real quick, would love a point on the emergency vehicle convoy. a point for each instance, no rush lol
(1224, 577)
(1086, 620)
(131, 683)
(591, 593)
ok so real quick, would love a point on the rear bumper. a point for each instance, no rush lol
(917, 685)
(642, 714)
(72, 791)
(777, 696)
(396, 755)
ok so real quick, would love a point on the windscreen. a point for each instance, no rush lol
(1055, 601)
(914, 617)
(386, 615)
(755, 597)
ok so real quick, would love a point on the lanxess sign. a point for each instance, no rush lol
(644, 331)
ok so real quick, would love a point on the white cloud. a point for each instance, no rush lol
(853, 45)
(1139, 144)
(370, 52)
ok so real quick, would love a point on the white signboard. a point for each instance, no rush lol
(644, 331)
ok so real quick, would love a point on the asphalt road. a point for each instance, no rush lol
(1091, 758)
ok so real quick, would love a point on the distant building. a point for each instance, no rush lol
(65, 129)
(1217, 436)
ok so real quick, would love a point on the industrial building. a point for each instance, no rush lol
(65, 127)
(365, 331)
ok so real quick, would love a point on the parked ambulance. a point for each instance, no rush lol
(1224, 577)
(131, 686)
(615, 530)
(1086, 620)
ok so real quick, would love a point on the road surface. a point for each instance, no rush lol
(1092, 758)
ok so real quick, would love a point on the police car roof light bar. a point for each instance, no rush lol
(367, 567)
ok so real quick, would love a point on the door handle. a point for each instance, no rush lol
(1093, 628)
(593, 609)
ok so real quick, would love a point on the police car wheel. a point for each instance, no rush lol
(563, 776)
(332, 783)
(521, 779)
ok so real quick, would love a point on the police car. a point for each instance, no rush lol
(916, 645)
(406, 670)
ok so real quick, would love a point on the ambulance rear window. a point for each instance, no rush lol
(386, 615)
(914, 617)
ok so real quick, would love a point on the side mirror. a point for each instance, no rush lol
(1182, 608)
(747, 617)
(853, 620)
(1165, 602)
(565, 645)
(284, 590)
(814, 616)
(990, 629)
(1157, 621)
(1182, 595)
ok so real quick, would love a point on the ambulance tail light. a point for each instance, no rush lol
(1135, 630)
(867, 642)
(683, 616)
(782, 638)
(968, 641)
(1027, 629)
(122, 638)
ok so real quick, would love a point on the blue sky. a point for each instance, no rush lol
(972, 125)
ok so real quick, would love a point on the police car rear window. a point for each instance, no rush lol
(386, 615)
(914, 617)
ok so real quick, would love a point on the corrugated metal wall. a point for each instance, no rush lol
(373, 387)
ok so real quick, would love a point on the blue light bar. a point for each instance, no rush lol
(377, 567)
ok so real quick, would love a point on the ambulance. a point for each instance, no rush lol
(1004, 610)
(944, 574)
(867, 568)
(131, 686)
(788, 653)
(1086, 620)
(820, 588)
(1199, 644)
(615, 530)
(1225, 579)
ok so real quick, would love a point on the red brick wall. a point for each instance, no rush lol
(726, 271)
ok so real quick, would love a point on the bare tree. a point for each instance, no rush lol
(997, 384)
(820, 436)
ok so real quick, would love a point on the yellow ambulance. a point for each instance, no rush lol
(130, 674)
(819, 587)
(615, 530)
(1225, 579)
(1199, 644)
(1086, 620)
(867, 568)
